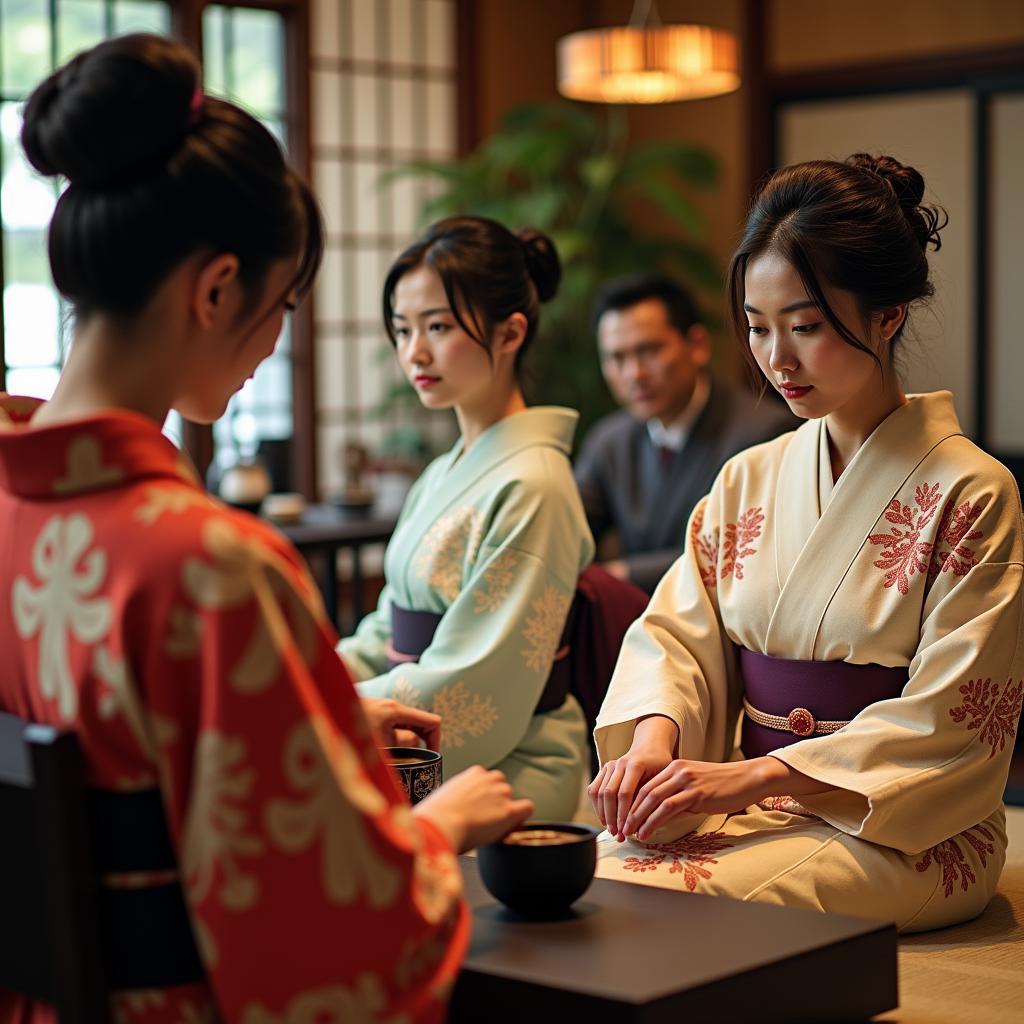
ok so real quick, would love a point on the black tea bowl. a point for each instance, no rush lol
(541, 868)
(418, 770)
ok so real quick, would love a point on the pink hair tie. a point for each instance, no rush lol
(195, 106)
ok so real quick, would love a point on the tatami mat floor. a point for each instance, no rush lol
(974, 972)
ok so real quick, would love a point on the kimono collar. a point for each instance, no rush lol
(543, 425)
(107, 449)
(815, 545)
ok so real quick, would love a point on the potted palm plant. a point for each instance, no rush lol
(570, 171)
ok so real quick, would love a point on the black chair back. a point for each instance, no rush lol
(69, 934)
(48, 886)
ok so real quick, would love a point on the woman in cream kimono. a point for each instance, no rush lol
(849, 597)
(483, 564)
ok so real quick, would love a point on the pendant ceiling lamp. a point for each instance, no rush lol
(647, 62)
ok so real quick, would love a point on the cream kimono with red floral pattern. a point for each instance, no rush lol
(913, 558)
(186, 647)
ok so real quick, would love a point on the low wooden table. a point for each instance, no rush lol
(322, 532)
(634, 954)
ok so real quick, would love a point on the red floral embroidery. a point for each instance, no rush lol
(951, 551)
(996, 716)
(950, 858)
(903, 551)
(706, 547)
(689, 855)
(738, 538)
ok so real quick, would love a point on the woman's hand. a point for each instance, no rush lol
(474, 808)
(396, 725)
(694, 787)
(613, 791)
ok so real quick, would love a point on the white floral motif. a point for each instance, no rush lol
(405, 693)
(463, 713)
(446, 548)
(362, 1004)
(497, 582)
(215, 829)
(85, 469)
(172, 499)
(437, 885)
(66, 601)
(322, 765)
(544, 628)
(247, 570)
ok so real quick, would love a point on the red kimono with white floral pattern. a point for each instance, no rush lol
(187, 648)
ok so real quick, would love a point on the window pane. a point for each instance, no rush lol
(215, 70)
(26, 44)
(243, 52)
(39, 383)
(174, 428)
(141, 16)
(80, 24)
(244, 56)
(31, 318)
(27, 200)
(258, 55)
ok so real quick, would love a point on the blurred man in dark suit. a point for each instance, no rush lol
(642, 470)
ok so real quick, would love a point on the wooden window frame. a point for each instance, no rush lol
(186, 25)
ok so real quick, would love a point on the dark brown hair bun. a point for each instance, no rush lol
(112, 113)
(542, 262)
(907, 186)
(156, 172)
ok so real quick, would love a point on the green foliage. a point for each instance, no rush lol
(569, 171)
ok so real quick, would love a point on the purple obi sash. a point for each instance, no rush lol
(786, 701)
(412, 632)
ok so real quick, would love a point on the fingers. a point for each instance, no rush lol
(610, 794)
(665, 785)
(630, 780)
(424, 724)
(594, 791)
(670, 808)
(519, 811)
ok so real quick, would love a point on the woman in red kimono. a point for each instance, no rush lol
(181, 641)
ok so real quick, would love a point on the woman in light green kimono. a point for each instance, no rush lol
(493, 536)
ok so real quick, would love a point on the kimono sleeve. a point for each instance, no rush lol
(492, 652)
(676, 659)
(934, 761)
(365, 653)
(310, 882)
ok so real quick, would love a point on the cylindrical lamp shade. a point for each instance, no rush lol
(648, 65)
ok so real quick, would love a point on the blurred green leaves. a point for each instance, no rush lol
(569, 171)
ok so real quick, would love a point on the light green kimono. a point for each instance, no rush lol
(494, 539)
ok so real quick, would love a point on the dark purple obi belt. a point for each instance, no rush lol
(412, 632)
(786, 701)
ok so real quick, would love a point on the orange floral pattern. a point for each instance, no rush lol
(948, 856)
(691, 855)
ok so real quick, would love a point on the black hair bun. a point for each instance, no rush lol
(114, 113)
(907, 185)
(542, 262)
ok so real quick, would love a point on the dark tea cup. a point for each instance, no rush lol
(418, 770)
(541, 868)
